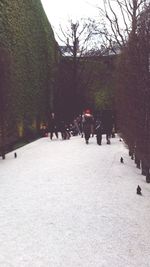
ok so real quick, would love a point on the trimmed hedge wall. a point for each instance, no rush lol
(28, 67)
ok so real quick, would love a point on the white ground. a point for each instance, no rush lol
(68, 204)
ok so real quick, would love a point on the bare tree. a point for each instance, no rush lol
(120, 18)
(76, 40)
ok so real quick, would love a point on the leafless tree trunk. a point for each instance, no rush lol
(120, 20)
(76, 43)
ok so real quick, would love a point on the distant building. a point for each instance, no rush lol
(66, 50)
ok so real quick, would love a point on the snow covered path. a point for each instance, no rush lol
(68, 204)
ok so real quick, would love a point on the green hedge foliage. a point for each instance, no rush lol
(28, 66)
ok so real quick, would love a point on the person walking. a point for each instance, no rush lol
(88, 122)
(107, 125)
(98, 131)
(53, 126)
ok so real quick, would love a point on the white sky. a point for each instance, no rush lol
(60, 11)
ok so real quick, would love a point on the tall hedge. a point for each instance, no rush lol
(27, 39)
(133, 93)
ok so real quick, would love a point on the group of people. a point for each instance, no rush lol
(91, 127)
(84, 125)
(54, 127)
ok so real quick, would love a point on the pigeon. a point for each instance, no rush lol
(138, 190)
(121, 160)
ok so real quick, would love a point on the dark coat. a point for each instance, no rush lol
(88, 126)
(99, 129)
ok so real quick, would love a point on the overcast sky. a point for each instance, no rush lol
(60, 11)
